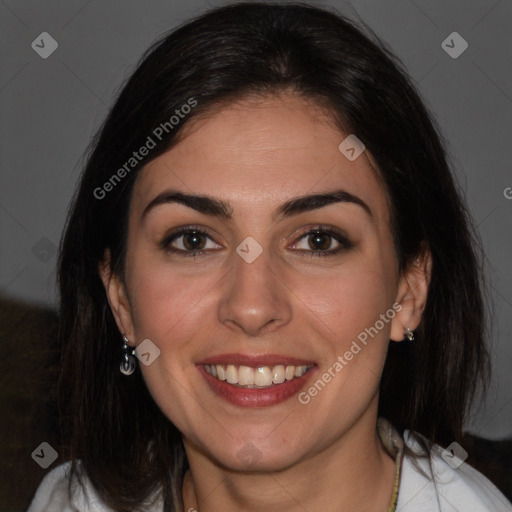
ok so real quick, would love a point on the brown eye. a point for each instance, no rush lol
(189, 242)
(320, 241)
(193, 241)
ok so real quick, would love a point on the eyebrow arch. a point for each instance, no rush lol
(314, 201)
(218, 208)
(203, 204)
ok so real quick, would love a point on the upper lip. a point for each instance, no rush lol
(255, 361)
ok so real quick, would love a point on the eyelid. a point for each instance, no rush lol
(181, 231)
(339, 235)
(326, 229)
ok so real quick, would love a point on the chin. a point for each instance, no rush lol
(248, 456)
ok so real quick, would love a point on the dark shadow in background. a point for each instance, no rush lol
(29, 364)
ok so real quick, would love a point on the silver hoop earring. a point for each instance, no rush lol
(128, 361)
(409, 334)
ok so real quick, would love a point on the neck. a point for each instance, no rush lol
(355, 472)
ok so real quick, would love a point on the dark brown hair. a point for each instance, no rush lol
(127, 447)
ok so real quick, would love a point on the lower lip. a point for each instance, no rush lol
(256, 397)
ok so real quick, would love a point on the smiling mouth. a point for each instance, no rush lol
(255, 377)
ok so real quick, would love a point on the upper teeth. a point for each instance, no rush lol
(262, 376)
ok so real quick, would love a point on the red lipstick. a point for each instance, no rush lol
(256, 397)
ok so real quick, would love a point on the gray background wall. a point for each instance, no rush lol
(50, 108)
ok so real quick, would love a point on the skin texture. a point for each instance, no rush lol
(256, 154)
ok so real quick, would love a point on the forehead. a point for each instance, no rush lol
(261, 150)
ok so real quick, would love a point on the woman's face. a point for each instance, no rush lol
(263, 300)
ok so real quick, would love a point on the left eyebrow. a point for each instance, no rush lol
(314, 201)
(217, 208)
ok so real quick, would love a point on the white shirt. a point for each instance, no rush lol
(441, 489)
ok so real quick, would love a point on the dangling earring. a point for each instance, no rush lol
(409, 334)
(128, 362)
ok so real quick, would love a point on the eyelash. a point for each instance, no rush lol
(323, 230)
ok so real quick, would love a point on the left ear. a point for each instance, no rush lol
(412, 294)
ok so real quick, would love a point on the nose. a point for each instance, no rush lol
(255, 299)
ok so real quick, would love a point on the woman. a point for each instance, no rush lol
(267, 214)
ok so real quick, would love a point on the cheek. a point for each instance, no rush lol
(348, 301)
(167, 306)
(348, 309)
(170, 309)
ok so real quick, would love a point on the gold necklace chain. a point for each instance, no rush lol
(394, 497)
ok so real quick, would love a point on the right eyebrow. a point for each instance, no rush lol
(202, 204)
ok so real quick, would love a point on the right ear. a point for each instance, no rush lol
(115, 290)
